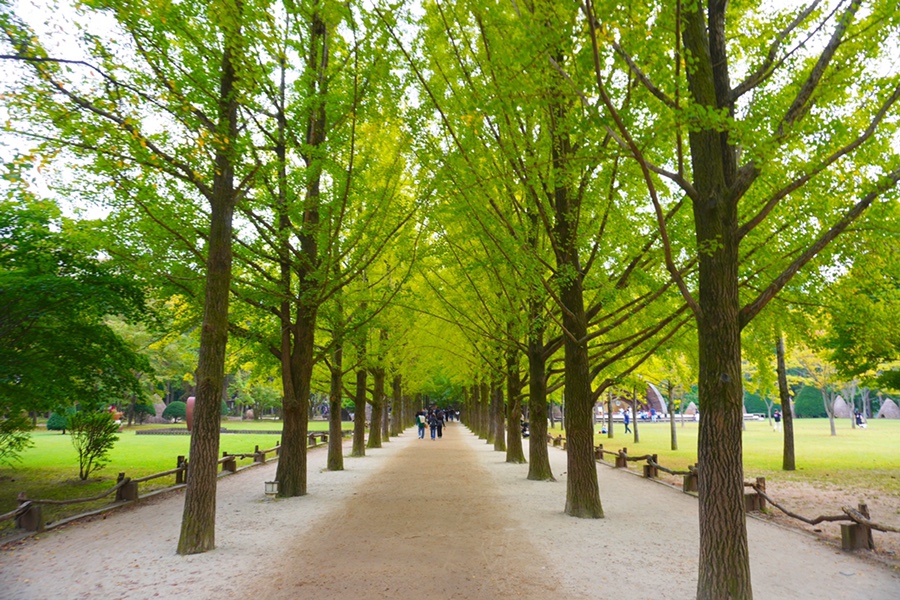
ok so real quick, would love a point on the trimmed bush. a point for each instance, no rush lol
(58, 422)
(175, 410)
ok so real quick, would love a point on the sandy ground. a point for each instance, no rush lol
(414, 519)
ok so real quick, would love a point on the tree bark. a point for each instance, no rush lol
(724, 566)
(398, 418)
(514, 452)
(335, 434)
(359, 415)
(498, 409)
(582, 488)
(375, 425)
(787, 414)
(298, 340)
(670, 390)
(539, 457)
(198, 523)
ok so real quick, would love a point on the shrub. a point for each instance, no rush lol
(93, 435)
(14, 437)
(175, 410)
(808, 403)
(57, 422)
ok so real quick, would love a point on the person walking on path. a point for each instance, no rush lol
(439, 415)
(627, 421)
(432, 423)
(777, 416)
(420, 423)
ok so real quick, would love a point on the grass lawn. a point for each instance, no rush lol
(49, 470)
(854, 458)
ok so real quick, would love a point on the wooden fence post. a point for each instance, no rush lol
(259, 457)
(691, 481)
(32, 519)
(856, 536)
(229, 465)
(651, 471)
(621, 459)
(180, 476)
(128, 492)
(598, 452)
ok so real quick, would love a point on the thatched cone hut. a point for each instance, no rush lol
(889, 410)
(841, 409)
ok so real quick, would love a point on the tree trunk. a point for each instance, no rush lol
(499, 416)
(198, 523)
(609, 416)
(724, 565)
(375, 426)
(582, 489)
(485, 412)
(673, 431)
(634, 416)
(787, 414)
(296, 377)
(538, 455)
(514, 452)
(359, 415)
(828, 403)
(335, 435)
(398, 417)
(297, 359)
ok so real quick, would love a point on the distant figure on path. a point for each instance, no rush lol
(627, 421)
(777, 416)
(432, 423)
(439, 416)
(420, 422)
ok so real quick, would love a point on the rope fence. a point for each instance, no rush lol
(29, 515)
(856, 523)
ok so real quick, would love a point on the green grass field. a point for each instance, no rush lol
(49, 470)
(859, 458)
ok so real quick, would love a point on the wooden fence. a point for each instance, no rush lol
(29, 515)
(855, 534)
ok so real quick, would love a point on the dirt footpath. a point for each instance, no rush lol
(422, 519)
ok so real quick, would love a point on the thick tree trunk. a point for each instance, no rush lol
(582, 488)
(198, 523)
(335, 435)
(724, 566)
(787, 414)
(296, 377)
(539, 458)
(724, 558)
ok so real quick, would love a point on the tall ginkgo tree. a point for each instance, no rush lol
(143, 102)
(778, 124)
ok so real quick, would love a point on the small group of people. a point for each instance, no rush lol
(434, 419)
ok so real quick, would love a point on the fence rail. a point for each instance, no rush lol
(29, 516)
(855, 534)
